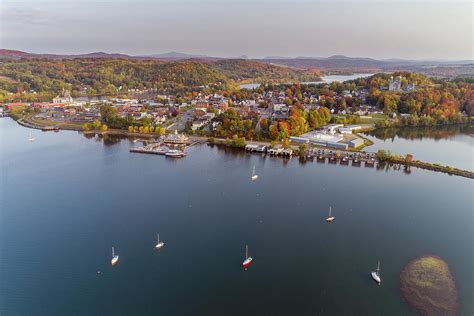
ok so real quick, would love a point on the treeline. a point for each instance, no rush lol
(256, 72)
(42, 79)
(434, 101)
(232, 123)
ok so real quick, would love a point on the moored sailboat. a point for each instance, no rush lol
(248, 260)
(330, 218)
(115, 257)
(376, 274)
(254, 176)
(159, 244)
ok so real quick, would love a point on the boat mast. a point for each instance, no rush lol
(378, 268)
(113, 252)
(158, 236)
(253, 171)
(329, 212)
(246, 251)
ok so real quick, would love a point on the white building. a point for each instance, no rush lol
(332, 128)
(395, 85)
(66, 98)
(349, 129)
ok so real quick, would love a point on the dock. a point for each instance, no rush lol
(154, 148)
(256, 148)
(344, 157)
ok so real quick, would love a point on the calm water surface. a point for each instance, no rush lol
(447, 145)
(325, 79)
(66, 200)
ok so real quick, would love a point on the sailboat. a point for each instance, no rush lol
(31, 139)
(376, 274)
(330, 218)
(115, 257)
(159, 244)
(254, 176)
(248, 260)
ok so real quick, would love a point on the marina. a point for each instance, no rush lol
(172, 145)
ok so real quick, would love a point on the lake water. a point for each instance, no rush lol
(66, 200)
(447, 145)
(325, 79)
(342, 78)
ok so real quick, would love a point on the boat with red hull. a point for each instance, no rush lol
(248, 260)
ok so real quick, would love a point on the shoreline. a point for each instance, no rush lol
(25, 122)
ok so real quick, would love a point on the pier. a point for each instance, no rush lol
(154, 148)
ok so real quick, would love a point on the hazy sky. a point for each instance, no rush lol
(369, 28)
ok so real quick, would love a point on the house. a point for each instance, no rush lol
(202, 103)
(46, 105)
(197, 125)
(280, 107)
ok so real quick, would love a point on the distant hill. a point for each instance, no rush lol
(343, 64)
(176, 55)
(336, 64)
(15, 54)
(255, 71)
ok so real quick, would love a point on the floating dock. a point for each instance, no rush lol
(155, 148)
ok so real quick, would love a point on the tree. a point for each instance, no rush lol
(238, 141)
(87, 127)
(104, 128)
(286, 143)
(383, 155)
(188, 127)
(96, 125)
(108, 113)
(303, 149)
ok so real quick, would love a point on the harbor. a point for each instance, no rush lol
(172, 145)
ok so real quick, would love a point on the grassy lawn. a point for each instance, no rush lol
(44, 122)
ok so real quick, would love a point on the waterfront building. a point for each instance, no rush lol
(356, 142)
(332, 128)
(349, 129)
(176, 139)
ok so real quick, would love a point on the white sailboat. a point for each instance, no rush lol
(248, 260)
(115, 257)
(330, 218)
(254, 176)
(376, 274)
(31, 138)
(159, 244)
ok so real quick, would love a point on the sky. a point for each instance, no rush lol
(419, 29)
